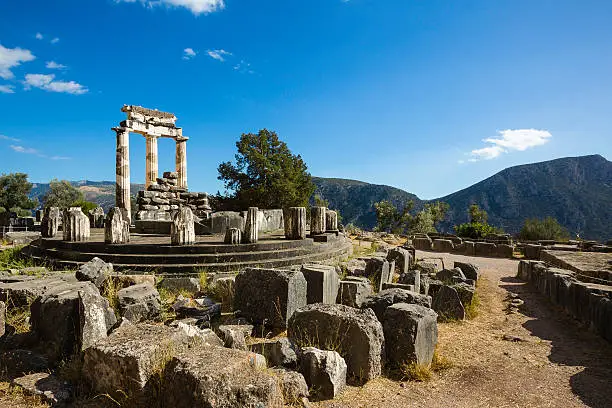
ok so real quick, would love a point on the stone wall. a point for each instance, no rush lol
(159, 205)
(589, 303)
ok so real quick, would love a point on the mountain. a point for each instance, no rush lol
(355, 199)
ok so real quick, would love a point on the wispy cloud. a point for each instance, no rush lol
(219, 55)
(55, 65)
(48, 83)
(243, 67)
(188, 53)
(7, 89)
(195, 6)
(29, 150)
(54, 41)
(11, 58)
(39, 36)
(12, 139)
(510, 140)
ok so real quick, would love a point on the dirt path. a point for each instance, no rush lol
(558, 363)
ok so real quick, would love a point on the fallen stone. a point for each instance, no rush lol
(466, 293)
(469, 270)
(180, 283)
(380, 271)
(443, 245)
(233, 336)
(48, 387)
(485, 249)
(324, 371)
(422, 243)
(19, 362)
(203, 337)
(411, 278)
(95, 271)
(354, 267)
(424, 287)
(411, 334)
(353, 292)
(139, 303)
(23, 292)
(357, 334)
(204, 310)
(233, 236)
(322, 283)
(402, 257)
(386, 298)
(447, 304)
(293, 385)
(219, 377)
(279, 353)
(269, 296)
(386, 286)
(448, 275)
(427, 268)
(224, 290)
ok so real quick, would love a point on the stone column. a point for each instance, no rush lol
(75, 225)
(331, 220)
(96, 218)
(122, 193)
(181, 161)
(182, 229)
(295, 223)
(251, 226)
(116, 228)
(317, 220)
(233, 236)
(50, 222)
(151, 173)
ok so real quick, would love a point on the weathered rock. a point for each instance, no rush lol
(19, 362)
(182, 230)
(219, 377)
(379, 270)
(23, 290)
(447, 304)
(411, 334)
(353, 292)
(424, 281)
(485, 249)
(382, 300)
(95, 271)
(466, 293)
(443, 245)
(422, 243)
(295, 223)
(325, 372)
(180, 283)
(116, 227)
(71, 318)
(386, 286)
(279, 353)
(293, 385)
(203, 337)
(233, 236)
(75, 225)
(331, 220)
(233, 336)
(470, 248)
(2, 319)
(469, 270)
(48, 387)
(402, 258)
(50, 222)
(203, 310)
(317, 220)
(251, 228)
(139, 303)
(356, 333)
(448, 275)
(505, 251)
(354, 267)
(96, 218)
(532, 251)
(224, 290)
(269, 296)
(411, 278)
(322, 283)
(427, 268)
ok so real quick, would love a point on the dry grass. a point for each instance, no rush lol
(14, 397)
(416, 372)
(110, 292)
(18, 316)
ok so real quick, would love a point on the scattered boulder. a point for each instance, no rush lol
(427, 268)
(48, 387)
(293, 385)
(411, 278)
(22, 291)
(325, 372)
(355, 267)
(219, 377)
(233, 336)
(204, 337)
(95, 271)
(224, 289)
(139, 303)
(380, 271)
(402, 257)
(382, 300)
(411, 334)
(357, 334)
(449, 275)
(447, 303)
(466, 293)
(354, 292)
(269, 296)
(19, 362)
(180, 283)
(469, 270)
(279, 353)
(322, 283)
(443, 245)
(203, 310)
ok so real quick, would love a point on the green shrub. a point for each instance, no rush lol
(549, 228)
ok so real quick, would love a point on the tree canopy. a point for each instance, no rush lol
(265, 174)
(478, 227)
(14, 190)
(391, 219)
(549, 228)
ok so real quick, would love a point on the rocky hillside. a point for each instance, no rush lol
(101, 192)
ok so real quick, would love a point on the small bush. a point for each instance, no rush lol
(440, 363)
(11, 258)
(471, 310)
(111, 292)
(415, 372)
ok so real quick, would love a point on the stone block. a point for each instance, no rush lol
(386, 286)
(233, 336)
(75, 225)
(317, 220)
(411, 334)
(402, 258)
(293, 385)
(279, 353)
(422, 243)
(331, 221)
(380, 271)
(295, 223)
(447, 303)
(251, 228)
(203, 310)
(449, 275)
(116, 227)
(357, 334)
(233, 236)
(182, 230)
(411, 278)
(485, 249)
(322, 283)
(15, 363)
(532, 251)
(96, 218)
(427, 268)
(52, 218)
(325, 372)
(388, 297)
(139, 303)
(180, 283)
(353, 293)
(269, 296)
(470, 248)
(50, 389)
(443, 245)
(466, 293)
(505, 251)
(95, 271)
(470, 270)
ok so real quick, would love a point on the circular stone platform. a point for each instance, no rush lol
(154, 254)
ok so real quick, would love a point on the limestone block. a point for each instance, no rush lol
(323, 283)
(465, 292)
(75, 225)
(48, 387)
(331, 221)
(470, 248)
(381, 301)
(532, 251)
(411, 278)
(379, 270)
(317, 220)
(295, 223)
(485, 249)
(280, 353)
(427, 268)
(357, 332)
(233, 336)
(422, 243)
(443, 245)
(293, 385)
(96, 218)
(402, 258)
(505, 250)
(180, 283)
(182, 230)
(324, 372)
(219, 377)
(447, 303)
(411, 334)
(409, 288)
(469, 270)
(203, 337)
(95, 271)
(269, 296)
(353, 293)
(251, 229)
(116, 227)
(50, 222)
(233, 236)
(450, 275)
(139, 303)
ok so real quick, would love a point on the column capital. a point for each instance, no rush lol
(120, 129)
(181, 139)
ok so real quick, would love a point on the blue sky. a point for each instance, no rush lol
(429, 96)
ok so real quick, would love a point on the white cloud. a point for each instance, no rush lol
(54, 41)
(188, 53)
(12, 139)
(48, 83)
(55, 65)
(510, 140)
(11, 58)
(219, 55)
(26, 150)
(39, 36)
(6, 89)
(59, 158)
(243, 67)
(195, 6)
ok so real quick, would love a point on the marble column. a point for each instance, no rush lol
(152, 161)
(122, 192)
(181, 161)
